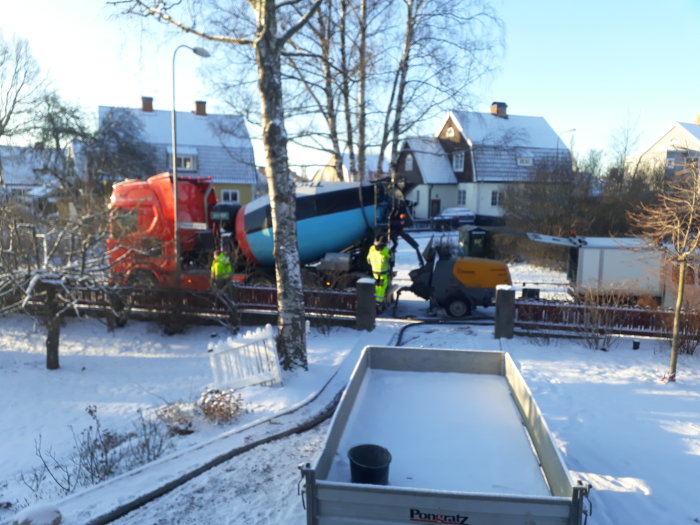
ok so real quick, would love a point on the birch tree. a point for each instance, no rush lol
(269, 26)
(446, 47)
(672, 225)
(20, 86)
(392, 66)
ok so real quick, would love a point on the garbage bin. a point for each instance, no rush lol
(369, 464)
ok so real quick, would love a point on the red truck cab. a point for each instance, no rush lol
(141, 243)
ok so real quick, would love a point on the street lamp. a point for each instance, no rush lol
(178, 263)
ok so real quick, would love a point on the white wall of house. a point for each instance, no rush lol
(424, 193)
(480, 197)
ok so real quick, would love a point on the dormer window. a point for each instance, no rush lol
(458, 161)
(409, 162)
(186, 158)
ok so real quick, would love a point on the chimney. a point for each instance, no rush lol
(200, 107)
(146, 103)
(697, 119)
(499, 109)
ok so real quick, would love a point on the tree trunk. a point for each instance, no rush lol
(291, 338)
(53, 329)
(682, 267)
(345, 88)
(412, 7)
(362, 95)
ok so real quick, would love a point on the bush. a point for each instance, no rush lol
(220, 406)
(98, 454)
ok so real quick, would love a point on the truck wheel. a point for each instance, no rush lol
(458, 307)
(142, 279)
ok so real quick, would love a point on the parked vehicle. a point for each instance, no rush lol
(452, 218)
(331, 218)
(457, 284)
(336, 224)
(461, 439)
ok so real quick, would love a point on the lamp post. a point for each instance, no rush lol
(178, 263)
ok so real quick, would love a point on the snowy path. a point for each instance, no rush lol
(245, 490)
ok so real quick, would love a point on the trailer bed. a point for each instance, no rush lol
(468, 445)
(445, 431)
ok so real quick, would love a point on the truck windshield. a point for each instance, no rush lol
(123, 222)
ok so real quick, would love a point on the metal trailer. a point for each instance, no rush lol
(445, 416)
(620, 266)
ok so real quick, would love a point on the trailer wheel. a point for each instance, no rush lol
(458, 307)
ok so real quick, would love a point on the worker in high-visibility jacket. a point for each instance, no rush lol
(221, 268)
(379, 259)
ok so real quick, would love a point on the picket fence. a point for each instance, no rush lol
(252, 361)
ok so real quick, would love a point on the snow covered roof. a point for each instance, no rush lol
(431, 159)
(485, 129)
(693, 129)
(508, 148)
(192, 129)
(327, 171)
(679, 134)
(221, 142)
(20, 166)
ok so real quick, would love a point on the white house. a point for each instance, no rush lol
(208, 145)
(481, 152)
(672, 151)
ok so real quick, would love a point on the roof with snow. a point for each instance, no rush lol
(431, 159)
(692, 129)
(508, 148)
(221, 142)
(486, 129)
(21, 167)
(327, 173)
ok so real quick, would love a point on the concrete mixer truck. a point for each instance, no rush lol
(334, 222)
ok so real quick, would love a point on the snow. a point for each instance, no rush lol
(618, 427)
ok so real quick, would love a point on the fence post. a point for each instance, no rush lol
(505, 312)
(366, 309)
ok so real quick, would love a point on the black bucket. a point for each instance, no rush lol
(369, 464)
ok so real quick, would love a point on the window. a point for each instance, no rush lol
(524, 161)
(496, 198)
(417, 197)
(450, 132)
(409, 162)
(461, 197)
(670, 163)
(230, 196)
(458, 161)
(122, 222)
(185, 162)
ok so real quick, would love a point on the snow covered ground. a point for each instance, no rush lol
(635, 439)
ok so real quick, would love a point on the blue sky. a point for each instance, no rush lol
(595, 66)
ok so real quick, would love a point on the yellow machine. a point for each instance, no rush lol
(458, 284)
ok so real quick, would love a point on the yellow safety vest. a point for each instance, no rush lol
(379, 260)
(221, 267)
